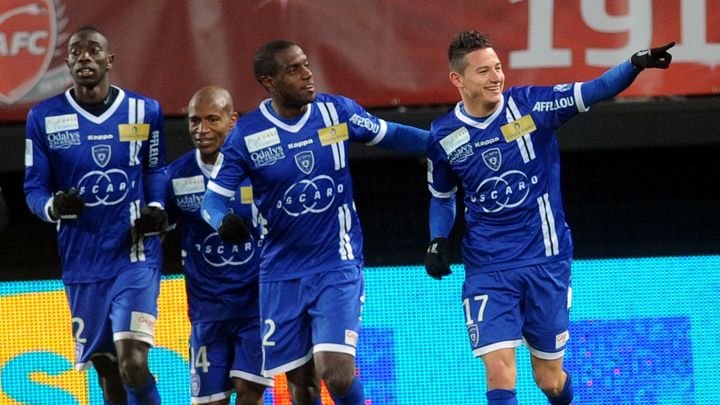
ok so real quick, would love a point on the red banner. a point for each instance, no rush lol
(379, 52)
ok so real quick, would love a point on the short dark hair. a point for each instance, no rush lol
(464, 43)
(264, 63)
(92, 28)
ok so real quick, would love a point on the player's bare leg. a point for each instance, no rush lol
(337, 370)
(304, 384)
(134, 371)
(248, 392)
(109, 380)
(552, 380)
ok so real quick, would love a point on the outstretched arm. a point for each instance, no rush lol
(621, 76)
(404, 138)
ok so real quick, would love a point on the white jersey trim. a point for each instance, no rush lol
(287, 366)
(545, 355)
(439, 194)
(143, 337)
(547, 219)
(335, 348)
(524, 143)
(381, 134)
(290, 128)
(579, 101)
(507, 344)
(220, 189)
(92, 118)
(345, 221)
(81, 366)
(212, 397)
(480, 125)
(198, 160)
(269, 382)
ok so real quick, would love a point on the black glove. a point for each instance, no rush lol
(437, 259)
(152, 221)
(233, 229)
(653, 58)
(67, 205)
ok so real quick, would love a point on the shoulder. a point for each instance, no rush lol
(49, 104)
(181, 162)
(343, 102)
(441, 125)
(150, 103)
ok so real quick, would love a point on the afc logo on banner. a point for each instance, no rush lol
(28, 37)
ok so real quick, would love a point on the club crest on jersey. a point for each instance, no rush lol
(27, 43)
(492, 158)
(474, 334)
(246, 195)
(305, 161)
(101, 154)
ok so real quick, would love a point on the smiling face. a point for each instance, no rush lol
(89, 58)
(481, 81)
(210, 119)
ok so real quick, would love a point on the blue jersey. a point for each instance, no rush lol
(508, 165)
(220, 279)
(116, 161)
(301, 183)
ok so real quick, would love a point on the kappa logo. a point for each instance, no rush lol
(28, 37)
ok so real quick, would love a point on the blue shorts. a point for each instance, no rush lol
(531, 304)
(221, 350)
(316, 313)
(112, 310)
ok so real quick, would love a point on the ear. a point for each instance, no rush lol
(110, 60)
(456, 79)
(233, 118)
(268, 82)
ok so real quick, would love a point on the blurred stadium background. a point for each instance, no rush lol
(641, 180)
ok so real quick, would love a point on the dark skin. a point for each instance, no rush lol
(89, 61)
(291, 89)
(211, 116)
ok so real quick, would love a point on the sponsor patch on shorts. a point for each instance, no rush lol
(351, 337)
(561, 339)
(142, 322)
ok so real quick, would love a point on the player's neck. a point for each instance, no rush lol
(286, 111)
(92, 94)
(209, 158)
(478, 108)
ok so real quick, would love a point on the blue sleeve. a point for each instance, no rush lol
(154, 170)
(405, 138)
(39, 182)
(609, 83)
(442, 216)
(213, 208)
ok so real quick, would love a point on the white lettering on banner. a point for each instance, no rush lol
(692, 47)
(22, 40)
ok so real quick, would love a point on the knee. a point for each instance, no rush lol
(339, 380)
(134, 369)
(549, 381)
